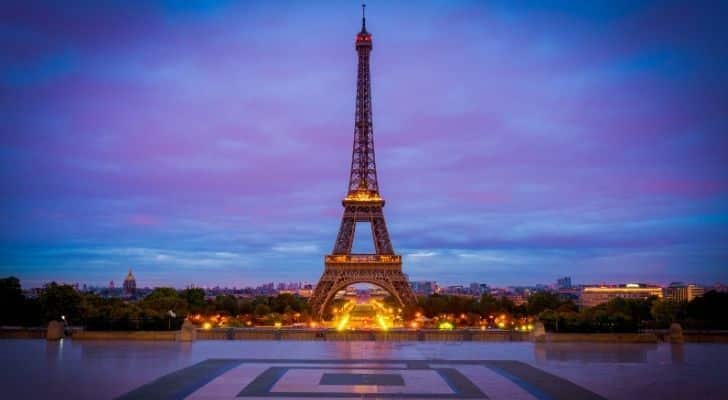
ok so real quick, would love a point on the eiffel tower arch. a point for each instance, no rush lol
(362, 203)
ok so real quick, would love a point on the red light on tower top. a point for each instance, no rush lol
(363, 38)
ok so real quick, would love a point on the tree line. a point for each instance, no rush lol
(152, 312)
(563, 315)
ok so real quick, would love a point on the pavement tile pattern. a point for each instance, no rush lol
(366, 379)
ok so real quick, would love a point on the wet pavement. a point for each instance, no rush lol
(290, 369)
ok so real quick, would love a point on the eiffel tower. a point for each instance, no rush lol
(362, 204)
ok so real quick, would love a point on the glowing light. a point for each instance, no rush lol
(501, 325)
(277, 325)
(445, 326)
(382, 322)
(363, 196)
(414, 325)
(207, 325)
(342, 323)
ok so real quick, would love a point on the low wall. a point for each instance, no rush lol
(397, 336)
(458, 335)
(500, 336)
(360, 335)
(213, 334)
(705, 336)
(125, 335)
(256, 334)
(599, 337)
(22, 333)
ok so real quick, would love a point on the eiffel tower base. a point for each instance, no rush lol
(341, 271)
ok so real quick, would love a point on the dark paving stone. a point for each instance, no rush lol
(182, 383)
(460, 384)
(418, 364)
(362, 379)
(263, 382)
(540, 383)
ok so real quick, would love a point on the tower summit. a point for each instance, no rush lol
(364, 204)
(363, 176)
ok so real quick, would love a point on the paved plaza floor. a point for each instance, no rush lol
(386, 370)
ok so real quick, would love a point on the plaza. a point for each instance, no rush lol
(293, 369)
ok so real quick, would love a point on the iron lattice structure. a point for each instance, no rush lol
(362, 204)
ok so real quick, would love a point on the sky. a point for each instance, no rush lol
(209, 143)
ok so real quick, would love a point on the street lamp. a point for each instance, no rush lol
(169, 320)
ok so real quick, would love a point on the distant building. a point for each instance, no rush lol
(477, 289)
(563, 283)
(305, 290)
(516, 298)
(351, 291)
(595, 295)
(456, 290)
(424, 288)
(678, 291)
(129, 284)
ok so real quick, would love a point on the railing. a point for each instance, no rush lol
(363, 258)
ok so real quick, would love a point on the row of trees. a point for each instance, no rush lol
(560, 314)
(152, 312)
(621, 315)
(487, 305)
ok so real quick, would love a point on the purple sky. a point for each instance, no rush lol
(210, 144)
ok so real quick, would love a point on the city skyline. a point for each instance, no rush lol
(211, 143)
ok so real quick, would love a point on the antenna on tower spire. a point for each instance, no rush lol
(363, 17)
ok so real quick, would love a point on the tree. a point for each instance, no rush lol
(161, 300)
(11, 301)
(262, 310)
(195, 298)
(57, 301)
(227, 304)
(542, 301)
(666, 312)
(488, 305)
(709, 310)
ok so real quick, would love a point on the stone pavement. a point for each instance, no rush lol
(368, 379)
(80, 370)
